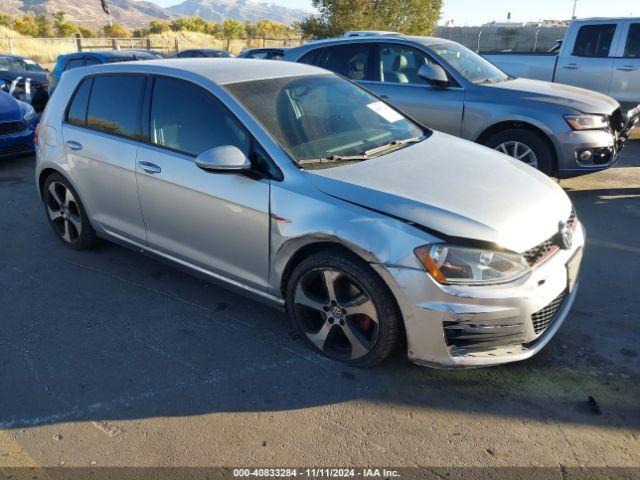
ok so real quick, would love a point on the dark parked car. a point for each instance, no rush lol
(263, 53)
(85, 59)
(25, 80)
(18, 121)
(203, 53)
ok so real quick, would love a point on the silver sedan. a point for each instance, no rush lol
(299, 187)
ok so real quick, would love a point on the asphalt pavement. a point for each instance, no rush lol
(108, 358)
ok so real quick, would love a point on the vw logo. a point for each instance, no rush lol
(566, 236)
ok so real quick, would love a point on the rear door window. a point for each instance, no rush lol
(77, 112)
(594, 41)
(632, 48)
(312, 57)
(114, 106)
(350, 60)
(91, 61)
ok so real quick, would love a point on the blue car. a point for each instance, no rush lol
(18, 122)
(85, 59)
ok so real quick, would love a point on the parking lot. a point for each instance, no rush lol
(110, 358)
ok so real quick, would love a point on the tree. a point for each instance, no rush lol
(6, 20)
(335, 17)
(232, 29)
(63, 29)
(116, 31)
(26, 25)
(159, 26)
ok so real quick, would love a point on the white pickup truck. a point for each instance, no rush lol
(600, 54)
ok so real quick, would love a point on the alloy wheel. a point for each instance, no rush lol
(64, 212)
(519, 151)
(337, 314)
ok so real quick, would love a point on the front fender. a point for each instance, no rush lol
(303, 218)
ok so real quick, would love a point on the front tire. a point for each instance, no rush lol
(342, 309)
(66, 214)
(524, 145)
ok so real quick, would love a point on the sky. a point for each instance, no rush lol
(476, 12)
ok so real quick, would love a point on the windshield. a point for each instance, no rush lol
(19, 65)
(325, 117)
(469, 64)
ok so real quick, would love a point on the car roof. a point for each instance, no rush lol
(426, 41)
(218, 70)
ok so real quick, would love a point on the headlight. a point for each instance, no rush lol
(28, 113)
(587, 122)
(453, 265)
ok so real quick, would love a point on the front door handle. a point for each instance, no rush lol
(75, 146)
(150, 168)
(571, 66)
(385, 97)
(627, 68)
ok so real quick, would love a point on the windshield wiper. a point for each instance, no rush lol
(334, 159)
(394, 145)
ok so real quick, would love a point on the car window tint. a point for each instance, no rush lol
(632, 49)
(77, 113)
(74, 63)
(347, 60)
(400, 64)
(276, 56)
(114, 104)
(189, 119)
(312, 57)
(258, 55)
(594, 40)
(91, 61)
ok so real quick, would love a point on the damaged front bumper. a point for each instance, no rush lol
(475, 326)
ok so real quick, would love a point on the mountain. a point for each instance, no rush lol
(140, 13)
(89, 12)
(220, 10)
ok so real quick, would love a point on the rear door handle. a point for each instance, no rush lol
(627, 68)
(75, 146)
(571, 66)
(150, 168)
(385, 97)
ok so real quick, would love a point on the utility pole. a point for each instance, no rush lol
(575, 6)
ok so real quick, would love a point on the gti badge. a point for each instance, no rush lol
(566, 236)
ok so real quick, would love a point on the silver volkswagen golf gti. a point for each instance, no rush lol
(301, 188)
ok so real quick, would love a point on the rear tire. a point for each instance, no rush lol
(66, 214)
(342, 309)
(524, 145)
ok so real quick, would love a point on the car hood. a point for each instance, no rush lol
(455, 188)
(9, 108)
(585, 101)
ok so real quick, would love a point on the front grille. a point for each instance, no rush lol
(10, 128)
(539, 252)
(543, 318)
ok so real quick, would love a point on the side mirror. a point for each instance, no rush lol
(434, 74)
(224, 159)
